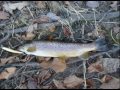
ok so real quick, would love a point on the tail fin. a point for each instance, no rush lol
(101, 44)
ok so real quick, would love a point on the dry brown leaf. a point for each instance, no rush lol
(90, 83)
(6, 60)
(58, 84)
(58, 65)
(95, 67)
(4, 15)
(43, 76)
(28, 36)
(7, 73)
(45, 64)
(52, 28)
(112, 84)
(41, 4)
(106, 79)
(42, 19)
(72, 81)
(50, 38)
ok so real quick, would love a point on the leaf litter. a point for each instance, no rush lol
(64, 21)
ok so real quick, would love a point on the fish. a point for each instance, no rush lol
(60, 49)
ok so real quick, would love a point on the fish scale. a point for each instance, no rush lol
(57, 49)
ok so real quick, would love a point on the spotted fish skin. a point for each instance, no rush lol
(57, 49)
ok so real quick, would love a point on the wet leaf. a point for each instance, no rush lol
(7, 73)
(4, 15)
(72, 81)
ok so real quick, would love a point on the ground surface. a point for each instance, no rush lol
(68, 21)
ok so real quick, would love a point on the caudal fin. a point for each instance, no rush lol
(101, 44)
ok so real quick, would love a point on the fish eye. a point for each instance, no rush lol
(31, 49)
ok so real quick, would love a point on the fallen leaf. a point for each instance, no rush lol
(95, 67)
(58, 84)
(7, 73)
(28, 36)
(51, 28)
(58, 65)
(3, 61)
(110, 64)
(66, 31)
(106, 79)
(67, 3)
(112, 84)
(90, 83)
(31, 84)
(4, 15)
(53, 17)
(50, 38)
(43, 76)
(41, 4)
(42, 19)
(92, 4)
(23, 86)
(114, 5)
(54, 6)
(72, 81)
(32, 27)
(12, 6)
(45, 64)
(116, 29)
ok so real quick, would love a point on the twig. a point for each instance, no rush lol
(33, 64)
(84, 73)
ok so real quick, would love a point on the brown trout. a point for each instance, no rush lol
(57, 49)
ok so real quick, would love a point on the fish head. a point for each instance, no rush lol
(28, 48)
